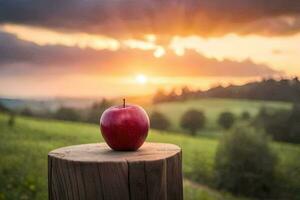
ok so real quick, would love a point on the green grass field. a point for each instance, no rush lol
(24, 148)
(212, 107)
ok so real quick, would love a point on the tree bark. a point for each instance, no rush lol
(94, 171)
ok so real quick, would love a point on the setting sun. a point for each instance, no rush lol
(141, 79)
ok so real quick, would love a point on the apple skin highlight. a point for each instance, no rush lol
(124, 128)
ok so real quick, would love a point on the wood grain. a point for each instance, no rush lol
(94, 171)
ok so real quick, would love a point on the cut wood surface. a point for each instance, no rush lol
(94, 171)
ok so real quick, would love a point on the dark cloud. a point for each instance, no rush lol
(134, 17)
(281, 25)
(14, 50)
(21, 57)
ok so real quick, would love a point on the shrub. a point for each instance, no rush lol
(226, 120)
(245, 115)
(68, 114)
(245, 163)
(159, 121)
(12, 119)
(193, 120)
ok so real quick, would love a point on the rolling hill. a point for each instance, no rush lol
(212, 107)
(269, 90)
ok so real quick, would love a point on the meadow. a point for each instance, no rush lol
(212, 107)
(24, 148)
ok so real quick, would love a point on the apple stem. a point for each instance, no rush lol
(123, 103)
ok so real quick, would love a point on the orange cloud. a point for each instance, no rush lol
(42, 36)
(66, 60)
(259, 49)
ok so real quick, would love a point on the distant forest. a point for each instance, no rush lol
(267, 89)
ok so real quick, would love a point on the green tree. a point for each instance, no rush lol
(226, 120)
(245, 163)
(159, 121)
(193, 120)
(245, 115)
(68, 114)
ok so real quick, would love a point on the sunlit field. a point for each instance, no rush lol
(24, 148)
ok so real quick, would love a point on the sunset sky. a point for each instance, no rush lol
(94, 48)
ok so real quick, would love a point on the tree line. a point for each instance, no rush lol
(90, 114)
(194, 120)
(267, 89)
(280, 124)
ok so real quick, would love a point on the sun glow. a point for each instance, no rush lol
(141, 79)
(159, 52)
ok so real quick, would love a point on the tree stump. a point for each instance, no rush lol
(94, 171)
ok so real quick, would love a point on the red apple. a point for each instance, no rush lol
(124, 128)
